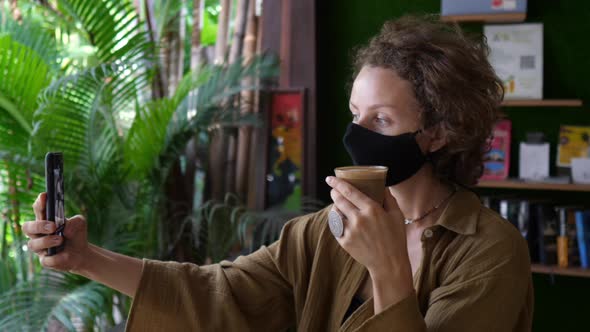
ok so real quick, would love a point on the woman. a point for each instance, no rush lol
(423, 102)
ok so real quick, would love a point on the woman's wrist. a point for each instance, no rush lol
(87, 263)
(396, 266)
(119, 272)
(390, 286)
(395, 277)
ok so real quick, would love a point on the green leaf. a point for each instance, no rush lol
(23, 73)
(161, 129)
(32, 305)
(112, 27)
(14, 112)
(32, 34)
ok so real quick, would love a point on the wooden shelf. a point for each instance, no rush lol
(496, 18)
(543, 103)
(564, 271)
(515, 184)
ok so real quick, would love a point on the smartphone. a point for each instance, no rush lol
(54, 204)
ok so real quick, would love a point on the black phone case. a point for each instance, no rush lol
(54, 204)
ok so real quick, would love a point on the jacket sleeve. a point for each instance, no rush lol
(488, 304)
(487, 293)
(255, 292)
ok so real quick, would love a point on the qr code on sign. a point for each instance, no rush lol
(527, 62)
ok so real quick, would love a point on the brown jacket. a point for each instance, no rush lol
(475, 276)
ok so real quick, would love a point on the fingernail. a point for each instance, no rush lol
(48, 227)
(329, 179)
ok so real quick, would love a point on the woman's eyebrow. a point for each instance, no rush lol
(375, 106)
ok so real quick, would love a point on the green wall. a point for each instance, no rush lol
(562, 302)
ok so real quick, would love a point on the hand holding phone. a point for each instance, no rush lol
(54, 208)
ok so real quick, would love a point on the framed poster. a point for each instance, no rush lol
(285, 148)
(516, 53)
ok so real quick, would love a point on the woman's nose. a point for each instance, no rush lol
(363, 121)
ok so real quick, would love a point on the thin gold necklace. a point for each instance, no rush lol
(409, 221)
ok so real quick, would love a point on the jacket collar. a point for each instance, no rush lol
(462, 213)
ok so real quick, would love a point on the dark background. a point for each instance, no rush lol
(561, 303)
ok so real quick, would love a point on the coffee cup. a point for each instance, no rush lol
(368, 179)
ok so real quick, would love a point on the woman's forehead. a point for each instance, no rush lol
(376, 86)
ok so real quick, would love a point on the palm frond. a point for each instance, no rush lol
(112, 26)
(20, 188)
(7, 275)
(219, 220)
(23, 74)
(32, 305)
(80, 116)
(257, 228)
(161, 129)
(76, 116)
(35, 36)
(219, 226)
(147, 135)
(165, 12)
(216, 84)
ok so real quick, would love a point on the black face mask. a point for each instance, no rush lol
(400, 153)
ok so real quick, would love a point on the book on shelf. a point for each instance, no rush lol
(580, 170)
(551, 232)
(574, 142)
(546, 223)
(568, 253)
(516, 53)
(482, 7)
(522, 215)
(583, 232)
(497, 160)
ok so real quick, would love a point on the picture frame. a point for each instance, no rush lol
(280, 171)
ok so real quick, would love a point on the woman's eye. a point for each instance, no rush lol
(382, 121)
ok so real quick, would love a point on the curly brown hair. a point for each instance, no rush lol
(454, 84)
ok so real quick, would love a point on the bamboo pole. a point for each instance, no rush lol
(198, 7)
(217, 156)
(196, 50)
(174, 50)
(166, 56)
(247, 100)
(251, 32)
(230, 163)
(180, 44)
(158, 84)
(195, 155)
(219, 153)
(221, 44)
(3, 245)
(235, 51)
(240, 25)
(233, 160)
(258, 141)
(222, 156)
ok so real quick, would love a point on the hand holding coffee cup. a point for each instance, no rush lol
(370, 180)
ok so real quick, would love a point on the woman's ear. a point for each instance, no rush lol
(438, 138)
